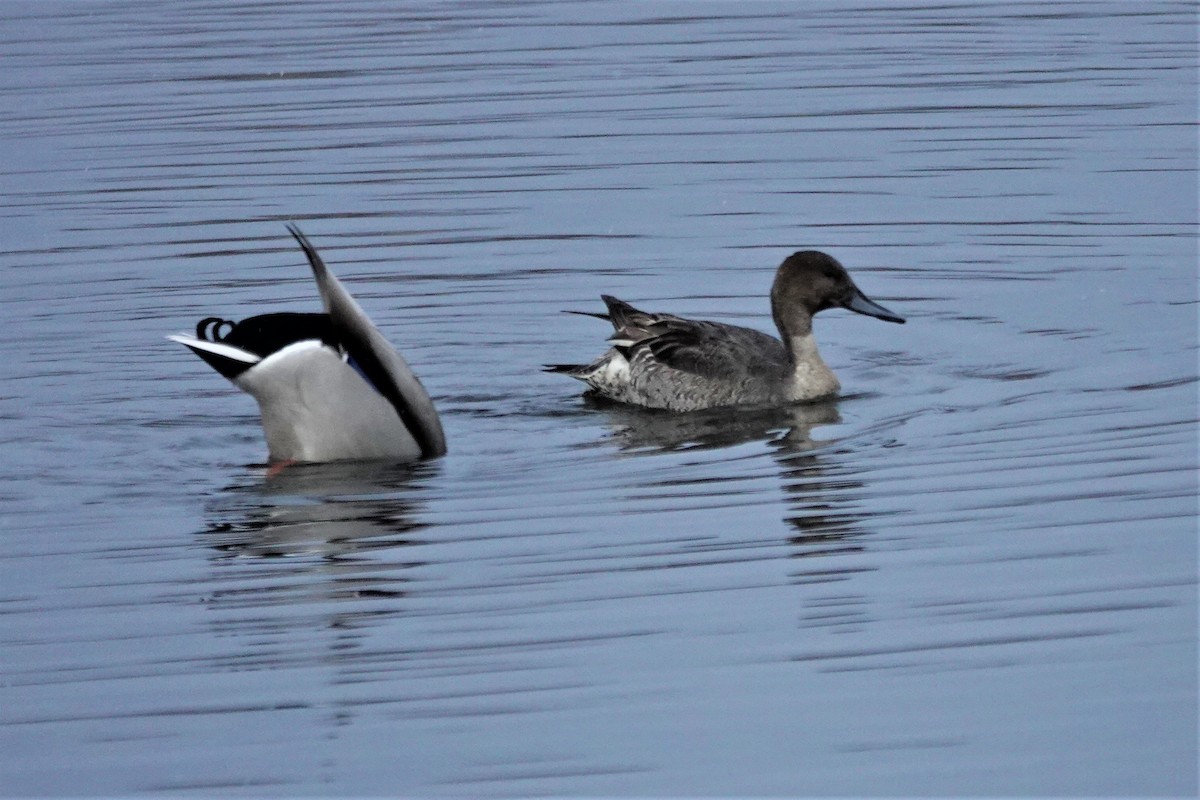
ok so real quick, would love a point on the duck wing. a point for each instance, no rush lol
(630, 322)
(699, 347)
(709, 349)
(384, 367)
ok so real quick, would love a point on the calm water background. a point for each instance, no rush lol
(975, 574)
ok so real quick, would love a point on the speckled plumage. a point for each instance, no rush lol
(667, 362)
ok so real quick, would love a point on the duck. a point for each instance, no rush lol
(329, 386)
(663, 361)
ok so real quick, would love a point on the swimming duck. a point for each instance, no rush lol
(329, 386)
(668, 362)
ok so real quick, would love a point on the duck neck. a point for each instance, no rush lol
(811, 377)
(802, 349)
(795, 329)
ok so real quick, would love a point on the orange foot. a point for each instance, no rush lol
(277, 467)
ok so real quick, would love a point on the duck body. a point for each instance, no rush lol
(668, 362)
(316, 406)
(328, 385)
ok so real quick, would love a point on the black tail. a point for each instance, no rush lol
(604, 317)
(565, 369)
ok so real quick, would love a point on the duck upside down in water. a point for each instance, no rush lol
(329, 385)
(668, 362)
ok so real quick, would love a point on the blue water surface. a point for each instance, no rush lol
(974, 574)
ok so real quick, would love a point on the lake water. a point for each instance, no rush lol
(975, 574)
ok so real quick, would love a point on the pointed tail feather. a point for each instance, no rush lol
(387, 369)
(595, 314)
(564, 369)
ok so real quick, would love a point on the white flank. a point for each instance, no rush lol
(614, 370)
(292, 349)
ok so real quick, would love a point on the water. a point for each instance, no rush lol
(974, 574)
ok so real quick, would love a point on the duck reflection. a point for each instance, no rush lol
(819, 512)
(309, 564)
(328, 520)
(829, 538)
(648, 431)
(827, 532)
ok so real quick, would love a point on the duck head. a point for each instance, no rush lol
(810, 281)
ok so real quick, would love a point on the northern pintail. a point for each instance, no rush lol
(329, 385)
(664, 361)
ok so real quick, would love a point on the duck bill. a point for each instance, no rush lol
(861, 304)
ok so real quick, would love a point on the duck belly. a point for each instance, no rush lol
(315, 407)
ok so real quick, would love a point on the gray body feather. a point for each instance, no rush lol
(667, 362)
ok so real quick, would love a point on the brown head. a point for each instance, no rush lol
(810, 281)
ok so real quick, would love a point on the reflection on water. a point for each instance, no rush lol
(975, 574)
(818, 505)
(644, 430)
(327, 510)
(324, 528)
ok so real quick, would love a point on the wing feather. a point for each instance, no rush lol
(385, 367)
(713, 350)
